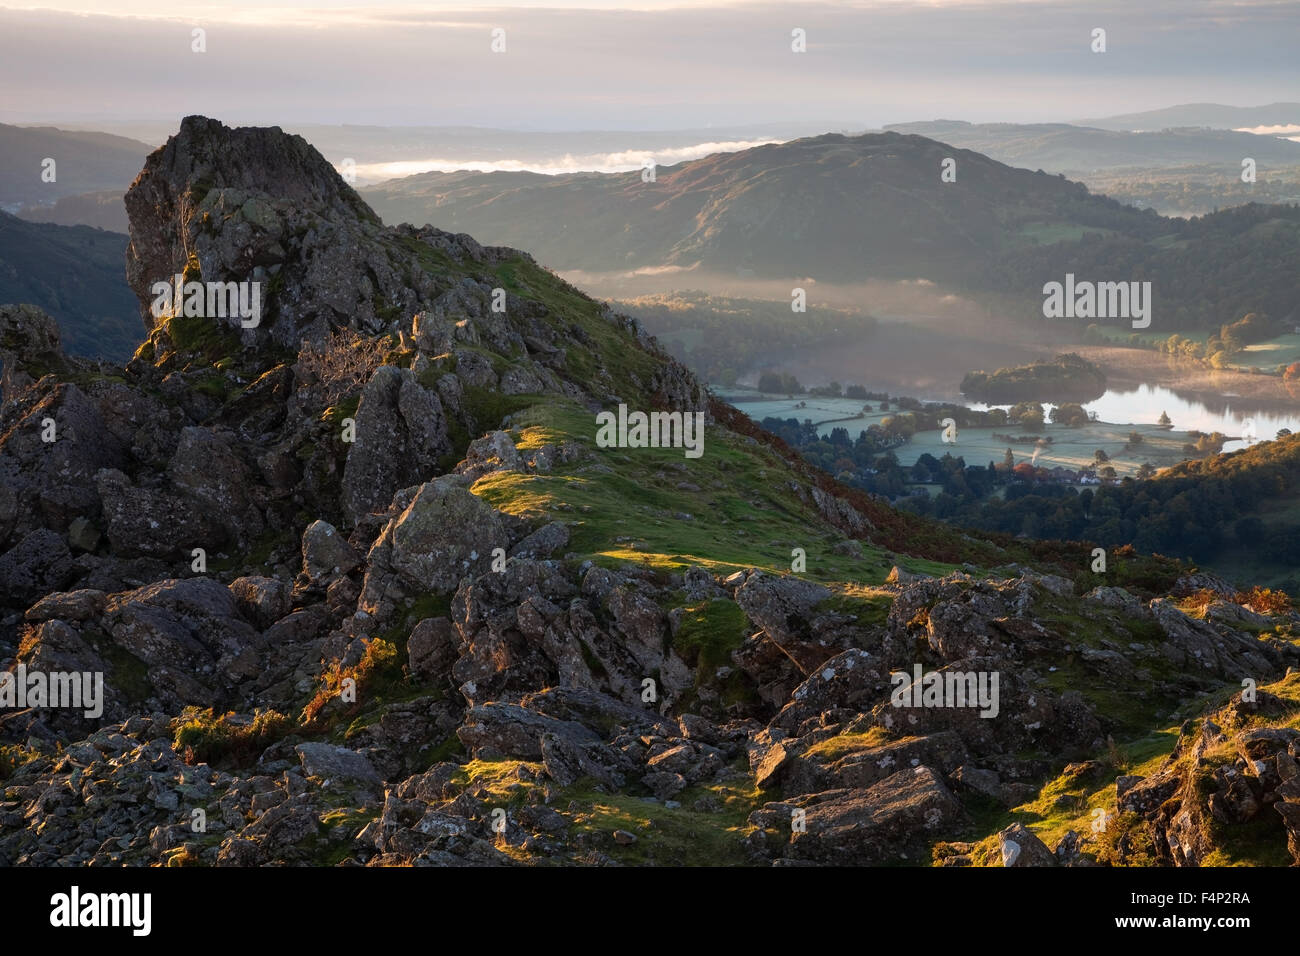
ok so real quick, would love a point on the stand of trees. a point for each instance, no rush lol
(1204, 272)
(1217, 351)
(1196, 509)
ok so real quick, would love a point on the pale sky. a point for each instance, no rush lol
(644, 65)
(328, 9)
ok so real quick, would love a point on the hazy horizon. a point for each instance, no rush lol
(377, 154)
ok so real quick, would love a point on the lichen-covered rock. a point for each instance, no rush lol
(401, 433)
(1019, 846)
(190, 627)
(336, 763)
(431, 648)
(206, 471)
(235, 203)
(51, 447)
(29, 348)
(870, 826)
(512, 730)
(326, 553)
(441, 534)
(783, 608)
(262, 600)
(153, 522)
(36, 565)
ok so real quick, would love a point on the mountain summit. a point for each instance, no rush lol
(220, 204)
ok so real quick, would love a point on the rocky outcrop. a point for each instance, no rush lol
(784, 607)
(1018, 846)
(1236, 766)
(255, 204)
(440, 534)
(401, 434)
(890, 820)
(30, 348)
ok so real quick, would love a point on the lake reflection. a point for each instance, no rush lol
(1227, 414)
(1120, 406)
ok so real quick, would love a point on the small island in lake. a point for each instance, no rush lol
(1067, 378)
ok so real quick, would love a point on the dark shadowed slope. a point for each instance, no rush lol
(75, 274)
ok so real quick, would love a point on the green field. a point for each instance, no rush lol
(1263, 356)
(1282, 350)
(1070, 447)
(827, 412)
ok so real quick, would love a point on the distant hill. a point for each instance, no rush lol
(843, 209)
(1214, 115)
(1079, 150)
(1203, 271)
(378, 145)
(103, 210)
(832, 207)
(84, 162)
(77, 274)
(1196, 190)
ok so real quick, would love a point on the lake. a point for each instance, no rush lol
(1229, 414)
(1141, 405)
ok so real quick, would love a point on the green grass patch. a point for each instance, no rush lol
(868, 606)
(346, 408)
(729, 509)
(680, 836)
(709, 632)
(501, 780)
(208, 337)
(841, 745)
